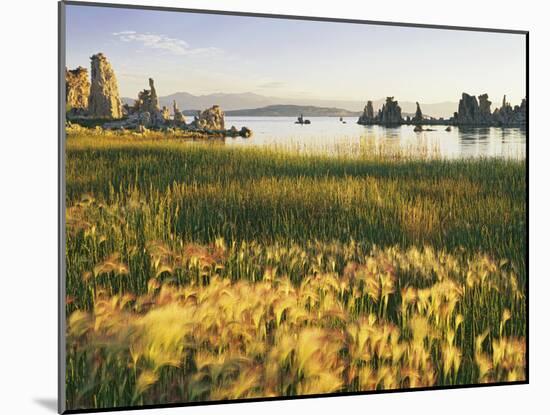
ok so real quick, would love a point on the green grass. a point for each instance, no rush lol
(255, 194)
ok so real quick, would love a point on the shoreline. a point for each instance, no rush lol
(390, 125)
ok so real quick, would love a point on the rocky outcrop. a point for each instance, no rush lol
(508, 116)
(504, 114)
(127, 110)
(368, 115)
(468, 110)
(143, 101)
(179, 119)
(165, 113)
(472, 113)
(210, 119)
(418, 129)
(156, 120)
(243, 132)
(418, 117)
(77, 88)
(155, 105)
(301, 120)
(134, 121)
(390, 113)
(104, 99)
(104, 102)
(520, 113)
(209, 122)
(485, 116)
(147, 100)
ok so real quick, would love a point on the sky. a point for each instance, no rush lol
(205, 53)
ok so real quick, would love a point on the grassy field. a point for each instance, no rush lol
(201, 272)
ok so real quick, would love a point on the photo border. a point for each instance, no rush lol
(62, 188)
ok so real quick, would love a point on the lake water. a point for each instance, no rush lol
(328, 134)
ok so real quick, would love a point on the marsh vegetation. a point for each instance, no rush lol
(198, 271)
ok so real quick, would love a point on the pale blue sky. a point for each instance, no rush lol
(203, 54)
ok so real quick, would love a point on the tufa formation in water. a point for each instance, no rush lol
(210, 119)
(471, 112)
(368, 114)
(418, 117)
(506, 115)
(390, 113)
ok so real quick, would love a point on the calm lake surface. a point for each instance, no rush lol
(328, 134)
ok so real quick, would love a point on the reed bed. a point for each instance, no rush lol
(200, 272)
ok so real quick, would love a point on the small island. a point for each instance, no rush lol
(470, 113)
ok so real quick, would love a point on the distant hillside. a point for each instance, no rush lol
(285, 111)
(187, 101)
(292, 111)
(248, 100)
(289, 111)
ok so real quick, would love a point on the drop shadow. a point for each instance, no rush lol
(48, 403)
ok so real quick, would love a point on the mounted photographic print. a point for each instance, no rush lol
(258, 207)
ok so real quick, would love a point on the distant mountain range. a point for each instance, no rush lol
(254, 104)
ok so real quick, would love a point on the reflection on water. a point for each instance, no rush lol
(328, 134)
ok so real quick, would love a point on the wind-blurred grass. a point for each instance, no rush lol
(301, 215)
